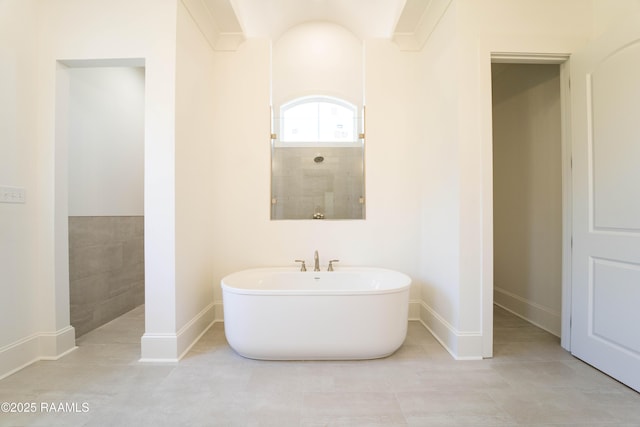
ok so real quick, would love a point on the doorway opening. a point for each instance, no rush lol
(100, 132)
(531, 232)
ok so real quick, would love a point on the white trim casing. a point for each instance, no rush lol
(514, 57)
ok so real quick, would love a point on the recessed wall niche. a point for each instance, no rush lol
(319, 67)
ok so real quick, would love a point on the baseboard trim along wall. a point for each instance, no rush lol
(171, 347)
(39, 346)
(532, 312)
(460, 344)
(219, 311)
(414, 310)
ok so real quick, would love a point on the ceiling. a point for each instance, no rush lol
(407, 22)
(365, 18)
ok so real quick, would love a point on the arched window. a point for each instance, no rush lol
(319, 120)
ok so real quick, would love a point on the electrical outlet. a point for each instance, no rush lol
(11, 194)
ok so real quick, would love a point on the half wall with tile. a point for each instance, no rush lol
(106, 268)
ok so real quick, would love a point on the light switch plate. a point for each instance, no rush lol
(11, 194)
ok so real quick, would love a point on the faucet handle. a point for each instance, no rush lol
(331, 261)
(303, 267)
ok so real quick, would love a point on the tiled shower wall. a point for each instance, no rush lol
(302, 187)
(106, 268)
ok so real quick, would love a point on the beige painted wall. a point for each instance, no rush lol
(38, 34)
(437, 229)
(106, 141)
(244, 236)
(527, 196)
(532, 26)
(317, 58)
(18, 144)
(458, 52)
(439, 179)
(194, 182)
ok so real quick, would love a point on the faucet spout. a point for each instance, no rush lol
(316, 260)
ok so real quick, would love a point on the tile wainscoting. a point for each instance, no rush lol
(106, 268)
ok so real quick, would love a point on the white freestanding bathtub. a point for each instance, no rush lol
(286, 314)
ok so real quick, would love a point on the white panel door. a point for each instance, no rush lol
(605, 86)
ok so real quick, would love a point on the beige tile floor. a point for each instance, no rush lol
(531, 381)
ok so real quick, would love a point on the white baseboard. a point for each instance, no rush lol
(461, 345)
(219, 311)
(171, 347)
(39, 346)
(541, 316)
(414, 309)
(57, 344)
(190, 333)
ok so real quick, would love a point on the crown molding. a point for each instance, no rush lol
(431, 13)
(204, 19)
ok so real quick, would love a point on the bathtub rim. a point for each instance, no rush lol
(404, 287)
